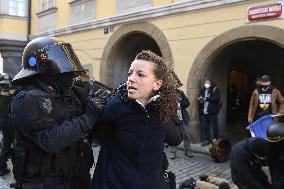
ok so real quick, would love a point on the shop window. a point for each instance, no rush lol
(17, 8)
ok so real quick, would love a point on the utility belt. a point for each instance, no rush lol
(28, 166)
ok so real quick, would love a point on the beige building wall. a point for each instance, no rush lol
(15, 27)
(34, 17)
(89, 47)
(105, 8)
(63, 15)
(161, 2)
(187, 32)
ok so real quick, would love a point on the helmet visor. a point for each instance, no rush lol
(64, 57)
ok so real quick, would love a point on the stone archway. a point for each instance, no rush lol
(203, 60)
(150, 31)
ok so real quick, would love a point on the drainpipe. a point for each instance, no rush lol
(29, 17)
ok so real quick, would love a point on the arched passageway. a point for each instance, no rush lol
(235, 58)
(123, 46)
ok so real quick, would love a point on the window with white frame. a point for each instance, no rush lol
(17, 7)
(47, 4)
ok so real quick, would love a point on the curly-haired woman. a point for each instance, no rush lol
(140, 117)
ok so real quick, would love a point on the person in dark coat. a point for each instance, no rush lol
(137, 121)
(209, 100)
(276, 165)
(6, 93)
(184, 104)
(52, 150)
(247, 159)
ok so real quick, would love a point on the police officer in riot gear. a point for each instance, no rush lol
(52, 149)
(247, 159)
(275, 134)
(5, 121)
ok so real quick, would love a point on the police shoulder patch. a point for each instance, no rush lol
(46, 105)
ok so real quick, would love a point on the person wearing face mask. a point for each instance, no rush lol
(265, 100)
(209, 101)
(6, 93)
(51, 121)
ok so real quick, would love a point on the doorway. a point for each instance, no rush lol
(234, 69)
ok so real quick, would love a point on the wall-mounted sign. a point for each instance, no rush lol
(264, 12)
(108, 29)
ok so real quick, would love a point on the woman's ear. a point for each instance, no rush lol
(158, 85)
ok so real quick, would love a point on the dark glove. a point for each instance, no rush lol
(97, 101)
(189, 183)
(92, 95)
(84, 88)
(203, 177)
(81, 88)
(224, 185)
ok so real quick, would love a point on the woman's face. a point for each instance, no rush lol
(141, 81)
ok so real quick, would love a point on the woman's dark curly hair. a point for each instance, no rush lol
(167, 104)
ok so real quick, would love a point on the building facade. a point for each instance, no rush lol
(229, 41)
(13, 33)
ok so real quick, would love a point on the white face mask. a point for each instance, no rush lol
(207, 85)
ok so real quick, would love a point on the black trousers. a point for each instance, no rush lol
(8, 139)
(241, 182)
(79, 181)
(209, 121)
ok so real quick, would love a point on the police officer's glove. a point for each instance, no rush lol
(203, 177)
(81, 88)
(224, 185)
(189, 183)
(97, 101)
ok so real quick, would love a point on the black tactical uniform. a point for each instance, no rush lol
(52, 150)
(247, 159)
(5, 122)
(275, 134)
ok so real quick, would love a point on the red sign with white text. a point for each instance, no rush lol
(263, 12)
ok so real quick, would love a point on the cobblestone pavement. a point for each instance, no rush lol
(200, 164)
(182, 166)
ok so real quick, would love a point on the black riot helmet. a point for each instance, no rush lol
(47, 56)
(259, 147)
(275, 132)
(5, 81)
